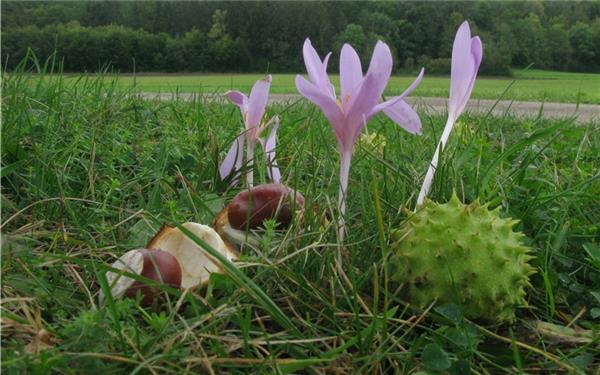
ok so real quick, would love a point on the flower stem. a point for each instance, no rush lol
(434, 162)
(345, 158)
(250, 164)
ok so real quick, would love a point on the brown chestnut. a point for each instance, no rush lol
(251, 208)
(157, 265)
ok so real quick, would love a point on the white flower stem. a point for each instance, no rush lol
(434, 162)
(346, 157)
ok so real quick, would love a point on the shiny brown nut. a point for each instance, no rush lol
(250, 208)
(159, 266)
(156, 265)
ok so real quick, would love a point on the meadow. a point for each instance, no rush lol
(89, 172)
(526, 85)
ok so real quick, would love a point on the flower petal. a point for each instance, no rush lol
(329, 106)
(314, 65)
(350, 72)
(317, 70)
(466, 57)
(269, 148)
(361, 105)
(413, 85)
(381, 66)
(476, 55)
(402, 114)
(257, 102)
(327, 84)
(238, 98)
(233, 158)
(364, 100)
(365, 97)
(382, 106)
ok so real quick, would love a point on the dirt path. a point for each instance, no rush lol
(585, 112)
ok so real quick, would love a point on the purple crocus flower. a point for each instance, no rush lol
(359, 100)
(466, 58)
(252, 109)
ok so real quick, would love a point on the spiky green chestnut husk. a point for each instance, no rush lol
(464, 254)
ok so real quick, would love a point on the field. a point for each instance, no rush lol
(89, 172)
(529, 85)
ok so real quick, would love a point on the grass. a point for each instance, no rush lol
(89, 172)
(531, 85)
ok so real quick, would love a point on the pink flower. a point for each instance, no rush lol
(466, 58)
(359, 100)
(252, 109)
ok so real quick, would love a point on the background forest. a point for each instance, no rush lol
(267, 36)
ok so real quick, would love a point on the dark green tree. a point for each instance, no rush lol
(582, 41)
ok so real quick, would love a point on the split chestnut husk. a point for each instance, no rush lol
(170, 258)
(196, 265)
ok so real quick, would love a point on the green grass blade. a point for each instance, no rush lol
(245, 282)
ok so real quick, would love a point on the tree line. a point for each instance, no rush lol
(267, 36)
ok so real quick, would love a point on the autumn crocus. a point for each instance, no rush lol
(358, 102)
(253, 110)
(466, 57)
